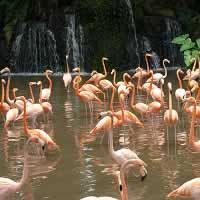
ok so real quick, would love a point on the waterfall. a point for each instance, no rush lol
(133, 26)
(172, 29)
(34, 49)
(74, 39)
(146, 46)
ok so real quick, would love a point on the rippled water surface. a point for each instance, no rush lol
(84, 168)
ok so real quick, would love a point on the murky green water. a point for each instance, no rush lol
(85, 169)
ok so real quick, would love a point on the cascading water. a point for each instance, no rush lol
(34, 49)
(173, 29)
(72, 41)
(133, 28)
(146, 47)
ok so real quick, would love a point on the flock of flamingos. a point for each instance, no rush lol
(95, 90)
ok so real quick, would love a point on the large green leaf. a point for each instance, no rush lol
(180, 39)
(187, 59)
(195, 53)
(188, 44)
(198, 42)
(187, 52)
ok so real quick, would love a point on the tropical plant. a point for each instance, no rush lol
(190, 49)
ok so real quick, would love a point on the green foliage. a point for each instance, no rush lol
(189, 48)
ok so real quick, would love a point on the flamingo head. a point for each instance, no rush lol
(32, 83)
(49, 71)
(104, 58)
(5, 70)
(93, 72)
(104, 114)
(166, 60)
(192, 60)
(39, 83)
(113, 71)
(180, 71)
(169, 86)
(52, 145)
(3, 81)
(15, 89)
(148, 55)
(76, 69)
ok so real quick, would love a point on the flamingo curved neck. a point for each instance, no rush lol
(139, 81)
(104, 68)
(124, 78)
(67, 67)
(165, 75)
(161, 93)
(198, 95)
(194, 65)
(191, 135)
(179, 80)
(151, 84)
(121, 106)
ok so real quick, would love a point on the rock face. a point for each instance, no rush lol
(116, 33)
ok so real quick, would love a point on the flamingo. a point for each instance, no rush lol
(86, 86)
(67, 77)
(42, 135)
(192, 84)
(144, 72)
(180, 92)
(4, 107)
(47, 107)
(85, 96)
(12, 114)
(195, 144)
(138, 107)
(189, 189)
(170, 115)
(98, 76)
(158, 76)
(155, 106)
(113, 72)
(123, 187)
(46, 92)
(105, 122)
(192, 74)
(9, 186)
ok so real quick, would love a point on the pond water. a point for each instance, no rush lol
(85, 168)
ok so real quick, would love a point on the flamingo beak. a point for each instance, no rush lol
(143, 177)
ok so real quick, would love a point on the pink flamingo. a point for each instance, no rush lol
(123, 187)
(98, 76)
(4, 107)
(42, 135)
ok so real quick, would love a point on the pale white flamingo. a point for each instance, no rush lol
(158, 76)
(98, 76)
(190, 189)
(138, 163)
(46, 92)
(123, 154)
(42, 135)
(67, 77)
(9, 186)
